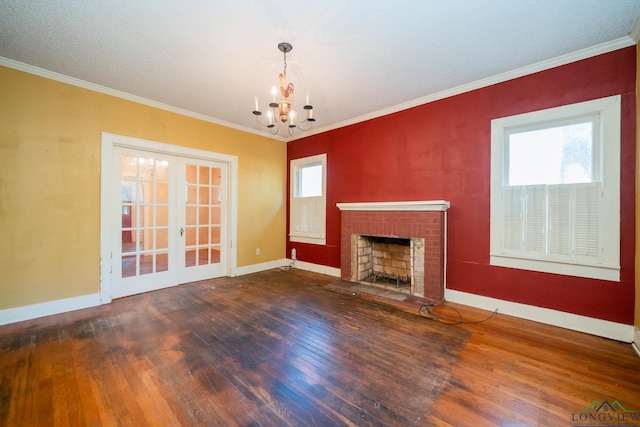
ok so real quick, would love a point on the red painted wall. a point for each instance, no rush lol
(441, 150)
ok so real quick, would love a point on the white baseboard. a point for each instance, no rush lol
(286, 262)
(636, 340)
(589, 325)
(256, 268)
(316, 268)
(34, 311)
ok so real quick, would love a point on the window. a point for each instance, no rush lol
(308, 211)
(555, 190)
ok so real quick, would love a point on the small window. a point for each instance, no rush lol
(307, 213)
(310, 181)
(555, 190)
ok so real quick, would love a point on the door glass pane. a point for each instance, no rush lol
(145, 215)
(162, 170)
(203, 215)
(146, 264)
(192, 174)
(215, 215)
(162, 193)
(204, 175)
(216, 176)
(204, 196)
(162, 262)
(203, 235)
(215, 195)
(202, 184)
(162, 238)
(162, 216)
(215, 235)
(191, 215)
(215, 255)
(128, 265)
(190, 258)
(203, 256)
(190, 236)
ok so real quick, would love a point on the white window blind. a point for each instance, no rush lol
(309, 218)
(553, 221)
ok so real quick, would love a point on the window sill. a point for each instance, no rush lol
(307, 239)
(592, 271)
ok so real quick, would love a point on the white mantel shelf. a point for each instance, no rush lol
(423, 205)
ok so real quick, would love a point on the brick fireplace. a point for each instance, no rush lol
(401, 243)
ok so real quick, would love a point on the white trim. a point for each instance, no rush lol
(286, 262)
(575, 322)
(636, 340)
(600, 271)
(424, 205)
(49, 308)
(310, 240)
(316, 268)
(589, 52)
(548, 64)
(263, 266)
(109, 141)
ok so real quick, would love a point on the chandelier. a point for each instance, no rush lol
(281, 113)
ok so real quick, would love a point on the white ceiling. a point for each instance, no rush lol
(355, 58)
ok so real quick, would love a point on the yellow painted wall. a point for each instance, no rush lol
(50, 135)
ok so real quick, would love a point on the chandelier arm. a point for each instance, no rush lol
(303, 128)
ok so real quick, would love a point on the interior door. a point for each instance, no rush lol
(143, 257)
(171, 220)
(202, 219)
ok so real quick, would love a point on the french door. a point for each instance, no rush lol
(171, 217)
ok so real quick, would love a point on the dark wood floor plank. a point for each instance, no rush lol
(280, 348)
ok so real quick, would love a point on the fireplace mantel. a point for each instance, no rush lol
(423, 206)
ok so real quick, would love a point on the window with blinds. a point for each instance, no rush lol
(555, 190)
(307, 213)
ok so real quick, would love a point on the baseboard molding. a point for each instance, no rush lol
(589, 325)
(256, 268)
(636, 340)
(34, 311)
(316, 268)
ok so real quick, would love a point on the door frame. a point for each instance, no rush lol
(107, 232)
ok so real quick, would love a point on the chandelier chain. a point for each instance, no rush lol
(285, 65)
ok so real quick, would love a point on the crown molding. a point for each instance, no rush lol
(52, 75)
(499, 78)
(589, 52)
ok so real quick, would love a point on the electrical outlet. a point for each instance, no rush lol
(293, 254)
(257, 251)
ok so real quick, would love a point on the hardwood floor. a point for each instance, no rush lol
(281, 348)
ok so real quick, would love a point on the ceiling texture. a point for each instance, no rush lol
(355, 59)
